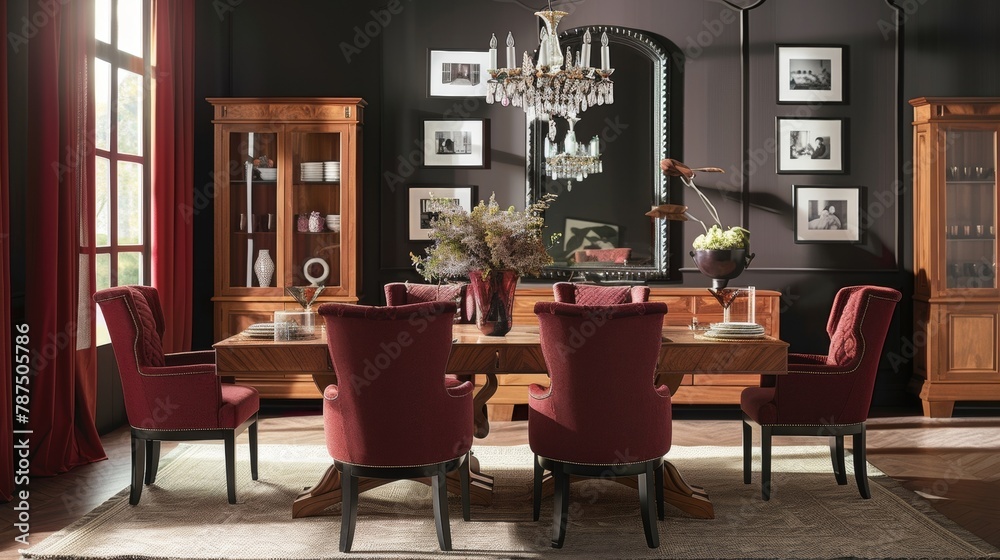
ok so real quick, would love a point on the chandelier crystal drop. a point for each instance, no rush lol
(577, 161)
(555, 84)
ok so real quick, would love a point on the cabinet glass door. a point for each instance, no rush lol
(253, 209)
(971, 202)
(316, 204)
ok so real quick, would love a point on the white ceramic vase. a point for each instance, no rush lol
(263, 267)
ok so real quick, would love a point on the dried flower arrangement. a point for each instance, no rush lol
(486, 239)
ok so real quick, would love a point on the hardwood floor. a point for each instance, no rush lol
(954, 463)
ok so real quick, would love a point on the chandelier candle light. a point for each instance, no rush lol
(546, 87)
(576, 161)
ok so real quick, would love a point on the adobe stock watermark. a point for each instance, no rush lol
(391, 350)
(408, 163)
(693, 46)
(32, 24)
(905, 10)
(366, 33)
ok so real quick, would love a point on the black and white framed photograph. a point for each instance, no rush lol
(457, 143)
(452, 73)
(827, 214)
(419, 207)
(811, 145)
(812, 73)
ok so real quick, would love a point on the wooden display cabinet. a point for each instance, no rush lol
(258, 210)
(956, 297)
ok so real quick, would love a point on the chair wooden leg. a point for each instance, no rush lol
(765, 462)
(837, 456)
(646, 491)
(349, 507)
(464, 476)
(229, 442)
(138, 462)
(659, 492)
(747, 451)
(439, 487)
(253, 449)
(861, 464)
(536, 495)
(152, 460)
(560, 507)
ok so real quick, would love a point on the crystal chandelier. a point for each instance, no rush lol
(576, 161)
(555, 85)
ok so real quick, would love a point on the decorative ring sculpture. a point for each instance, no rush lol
(315, 280)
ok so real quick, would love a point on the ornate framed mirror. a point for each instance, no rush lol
(606, 210)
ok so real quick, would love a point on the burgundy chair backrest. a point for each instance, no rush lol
(153, 301)
(602, 363)
(405, 293)
(390, 363)
(588, 294)
(858, 324)
(136, 341)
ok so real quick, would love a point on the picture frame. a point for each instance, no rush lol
(457, 73)
(812, 74)
(585, 234)
(457, 143)
(827, 214)
(811, 145)
(421, 195)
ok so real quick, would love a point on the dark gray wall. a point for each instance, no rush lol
(296, 48)
(361, 49)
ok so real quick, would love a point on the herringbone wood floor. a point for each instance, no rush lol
(954, 463)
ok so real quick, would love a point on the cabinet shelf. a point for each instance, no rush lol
(290, 131)
(956, 295)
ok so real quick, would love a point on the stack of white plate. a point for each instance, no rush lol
(260, 330)
(735, 330)
(333, 222)
(331, 170)
(312, 171)
(268, 173)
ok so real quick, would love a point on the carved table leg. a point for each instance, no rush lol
(482, 419)
(326, 492)
(692, 500)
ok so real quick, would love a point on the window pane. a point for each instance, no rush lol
(102, 203)
(102, 103)
(129, 203)
(129, 269)
(102, 20)
(129, 112)
(103, 271)
(130, 26)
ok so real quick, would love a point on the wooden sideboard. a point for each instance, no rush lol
(683, 304)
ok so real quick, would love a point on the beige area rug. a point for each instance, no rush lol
(185, 515)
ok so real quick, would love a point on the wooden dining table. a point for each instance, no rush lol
(683, 351)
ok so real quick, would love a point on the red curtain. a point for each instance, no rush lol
(59, 231)
(173, 167)
(6, 359)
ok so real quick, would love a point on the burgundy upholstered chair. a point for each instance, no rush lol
(601, 415)
(589, 294)
(825, 395)
(171, 397)
(392, 414)
(404, 293)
